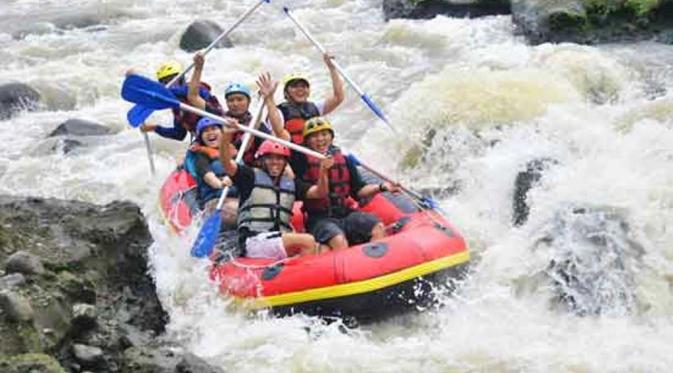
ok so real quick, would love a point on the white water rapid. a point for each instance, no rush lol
(603, 116)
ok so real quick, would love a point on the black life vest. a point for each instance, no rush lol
(336, 202)
(295, 116)
(269, 207)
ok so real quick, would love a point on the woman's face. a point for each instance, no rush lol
(298, 91)
(211, 136)
(238, 104)
(319, 141)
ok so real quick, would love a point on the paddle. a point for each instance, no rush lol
(424, 202)
(365, 97)
(205, 240)
(138, 114)
(141, 90)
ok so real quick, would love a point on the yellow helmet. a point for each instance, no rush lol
(289, 78)
(317, 124)
(168, 68)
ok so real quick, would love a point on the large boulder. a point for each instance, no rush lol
(91, 255)
(524, 182)
(30, 363)
(200, 34)
(80, 127)
(15, 97)
(591, 21)
(425, 9)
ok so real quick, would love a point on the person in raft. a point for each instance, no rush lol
(211, 177)
(267, 195)
(237, 98)
(183, 122)
(331, 219)
(297, 109)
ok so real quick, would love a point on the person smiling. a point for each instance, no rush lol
(297, 109)
(267, 196)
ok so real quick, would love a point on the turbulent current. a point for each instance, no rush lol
(585, 283)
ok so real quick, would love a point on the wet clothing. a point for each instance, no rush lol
(334, 214)
(356, 226)
(184, 122)
(265, 206)
(295, 115)
(204, 164)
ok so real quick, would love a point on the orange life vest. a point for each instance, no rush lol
(295, 116)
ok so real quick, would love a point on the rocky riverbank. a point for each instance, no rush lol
(541, 21)
(75, 293)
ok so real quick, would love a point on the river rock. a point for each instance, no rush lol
(80, 127)
(24, 262)
(88, 355)
(30, 363)
(15, 97)
(590, 22)
(164, 360)
(91, 255)
(200, 34)
(426, 9)
(12, 280)
(524, 182)
(594, 260)
(83, 316)
(16, 307)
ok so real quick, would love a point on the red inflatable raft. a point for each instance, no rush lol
(422, 258)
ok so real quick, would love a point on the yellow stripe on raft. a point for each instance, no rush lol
(354, 288)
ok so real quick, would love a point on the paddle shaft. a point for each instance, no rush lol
(244, 144)
(217, 40)
(339, 69)
(253, 131)
(386, 178)
(148, 146)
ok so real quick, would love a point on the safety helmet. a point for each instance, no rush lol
(167, 69)
(271, 147)
(289, 78)
(317, 124)
(237, 88)
(204, 123)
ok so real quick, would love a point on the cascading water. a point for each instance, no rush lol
(583, 284)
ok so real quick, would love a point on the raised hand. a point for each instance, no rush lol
(267, 86)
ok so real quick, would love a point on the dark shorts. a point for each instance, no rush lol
(357, 226)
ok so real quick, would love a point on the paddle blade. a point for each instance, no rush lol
(205, 241)
(138, 114)
(148, 93)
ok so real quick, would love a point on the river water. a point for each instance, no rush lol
(601, 116)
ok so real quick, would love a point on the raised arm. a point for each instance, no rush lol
(193, 95)
(321, 189)
(337, 97)
(225, 156)
(267, 87)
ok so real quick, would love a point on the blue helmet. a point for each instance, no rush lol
(237, 88)
(203, 124)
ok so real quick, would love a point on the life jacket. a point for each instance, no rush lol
(295, 116)
(269, 207)
(186, 119)
(337, 203)
(249, 155)
(206, 192)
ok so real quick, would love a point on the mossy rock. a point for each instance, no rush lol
(28, 363)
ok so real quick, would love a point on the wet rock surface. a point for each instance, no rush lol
(541, 21)
(93, 298)
(15, 97)
(80, 127)
(200, 34)
(416, 9)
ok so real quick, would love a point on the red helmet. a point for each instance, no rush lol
(271, 147)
